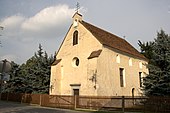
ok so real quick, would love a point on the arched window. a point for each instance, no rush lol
(130, 62)
(133, 95)
(75, 37)
(140, 65)
(117, 58)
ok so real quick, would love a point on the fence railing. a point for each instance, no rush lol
(111, 103)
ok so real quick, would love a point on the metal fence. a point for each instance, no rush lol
(109, 103)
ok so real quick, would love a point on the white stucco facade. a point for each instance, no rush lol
(96, 76)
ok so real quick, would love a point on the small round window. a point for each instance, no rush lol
(75, 62)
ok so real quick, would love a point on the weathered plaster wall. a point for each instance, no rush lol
(55, 79)
(109, 76)
(72, 74)
(104, 68)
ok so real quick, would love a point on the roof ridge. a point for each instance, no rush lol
(112, 40)
(103, 30)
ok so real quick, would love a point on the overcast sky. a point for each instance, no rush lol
(30, 22)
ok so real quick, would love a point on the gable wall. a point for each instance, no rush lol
(77, 75)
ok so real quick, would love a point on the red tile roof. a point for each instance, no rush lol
(112, 40)
(56, 62)
(95, 54)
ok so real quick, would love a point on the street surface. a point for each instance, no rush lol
(13, 107)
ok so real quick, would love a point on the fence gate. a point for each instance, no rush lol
(58, 101)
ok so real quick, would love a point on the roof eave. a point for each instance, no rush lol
(137, 56)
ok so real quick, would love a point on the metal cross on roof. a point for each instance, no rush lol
(77, 7)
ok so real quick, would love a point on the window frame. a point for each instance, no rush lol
(75, 62)
(75, 38)
(122, 77)
(140, 79)
(130, 62)
(118, 58)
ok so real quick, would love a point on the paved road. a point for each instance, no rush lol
(12, 107)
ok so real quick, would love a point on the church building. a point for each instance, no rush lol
(94, 62)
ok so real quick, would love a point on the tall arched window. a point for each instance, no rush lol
(130, 62)
(75, 37)
(117, 58)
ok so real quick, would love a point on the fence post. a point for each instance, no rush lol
(22, 98)
(75, 101)
(40, 99)
(7, 96)
(123, 104)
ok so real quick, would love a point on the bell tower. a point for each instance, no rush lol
(77, 17)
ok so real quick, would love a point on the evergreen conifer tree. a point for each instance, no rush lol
(31, 77)
(15, 84)
(157, 83)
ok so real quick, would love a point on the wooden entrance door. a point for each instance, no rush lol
(76, 96)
